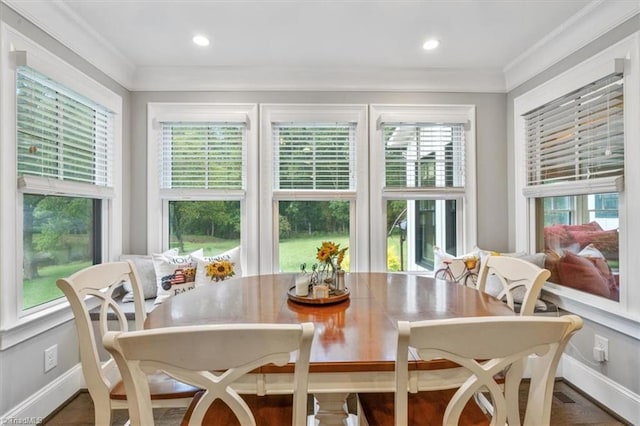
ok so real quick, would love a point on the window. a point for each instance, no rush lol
(573, 138)
(313, 155)
(304, 225)
(61, 204)
(574, 143)
(427, 154)
(68, 139)
(203, 156)
(199, 160)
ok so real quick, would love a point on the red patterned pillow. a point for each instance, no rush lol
(594, 255)
(551, 262)
(591, 226)
(557, 237)
(605, 241)
(580, 273)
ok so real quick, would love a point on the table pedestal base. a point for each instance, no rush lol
(332, 409)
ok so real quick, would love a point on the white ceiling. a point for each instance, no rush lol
(314, 44)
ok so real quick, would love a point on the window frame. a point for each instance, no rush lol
(358, 196)
(466, 196)
(158, 199)
(16, 48)
(625, 314)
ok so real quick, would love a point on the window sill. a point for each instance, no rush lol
(593, 308)
(34, 324)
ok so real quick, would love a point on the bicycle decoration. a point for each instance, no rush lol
(460, 270)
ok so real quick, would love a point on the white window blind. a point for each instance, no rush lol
(202, 155)
(577, 141)
(62, 135)
(424, 155)
(314, 156)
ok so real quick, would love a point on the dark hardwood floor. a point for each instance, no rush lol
(570, 407)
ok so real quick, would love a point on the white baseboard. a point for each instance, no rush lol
(610, 394)
(46, 400)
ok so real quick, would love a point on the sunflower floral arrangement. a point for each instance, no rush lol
(220, 268)
(330, 255)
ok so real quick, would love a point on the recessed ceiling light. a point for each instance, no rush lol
(201, 40)
(431, 44)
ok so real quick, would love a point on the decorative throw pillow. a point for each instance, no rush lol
(484, 253)
(591, 226)
(551, 261)
(146, 275)
(560, 237)
(594, 255)
(605, 241)
(174, 274)
(557, 237)
(494, 285)
(219, 267)
(580, 273)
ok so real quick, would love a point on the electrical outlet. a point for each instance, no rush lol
(601, 345)
(50, 358)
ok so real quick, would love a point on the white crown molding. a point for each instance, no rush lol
(318, 79)
(582, 28)
(59, 21)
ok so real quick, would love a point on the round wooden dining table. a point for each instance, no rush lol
(354, 344)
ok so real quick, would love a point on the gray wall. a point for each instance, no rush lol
(22, 366)
(490, 138)
(623, 366)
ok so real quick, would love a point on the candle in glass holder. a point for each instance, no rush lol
(320, 291)
(302, 285)
(340, 284)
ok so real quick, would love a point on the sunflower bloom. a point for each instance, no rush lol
(219, 269)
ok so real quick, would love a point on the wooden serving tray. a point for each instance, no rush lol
(310, 300)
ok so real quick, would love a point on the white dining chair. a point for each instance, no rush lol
(518, 281)
(484, 346)
(94, 288)
(213, 357)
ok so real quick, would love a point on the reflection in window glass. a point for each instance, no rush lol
(415, 228)
(59, 238)
(213, 226)
(304, 225)
(581, 242)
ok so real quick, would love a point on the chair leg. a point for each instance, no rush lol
(102, 416)
(102, 406)
(362, 420)
(484, 404)
(512, 392)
